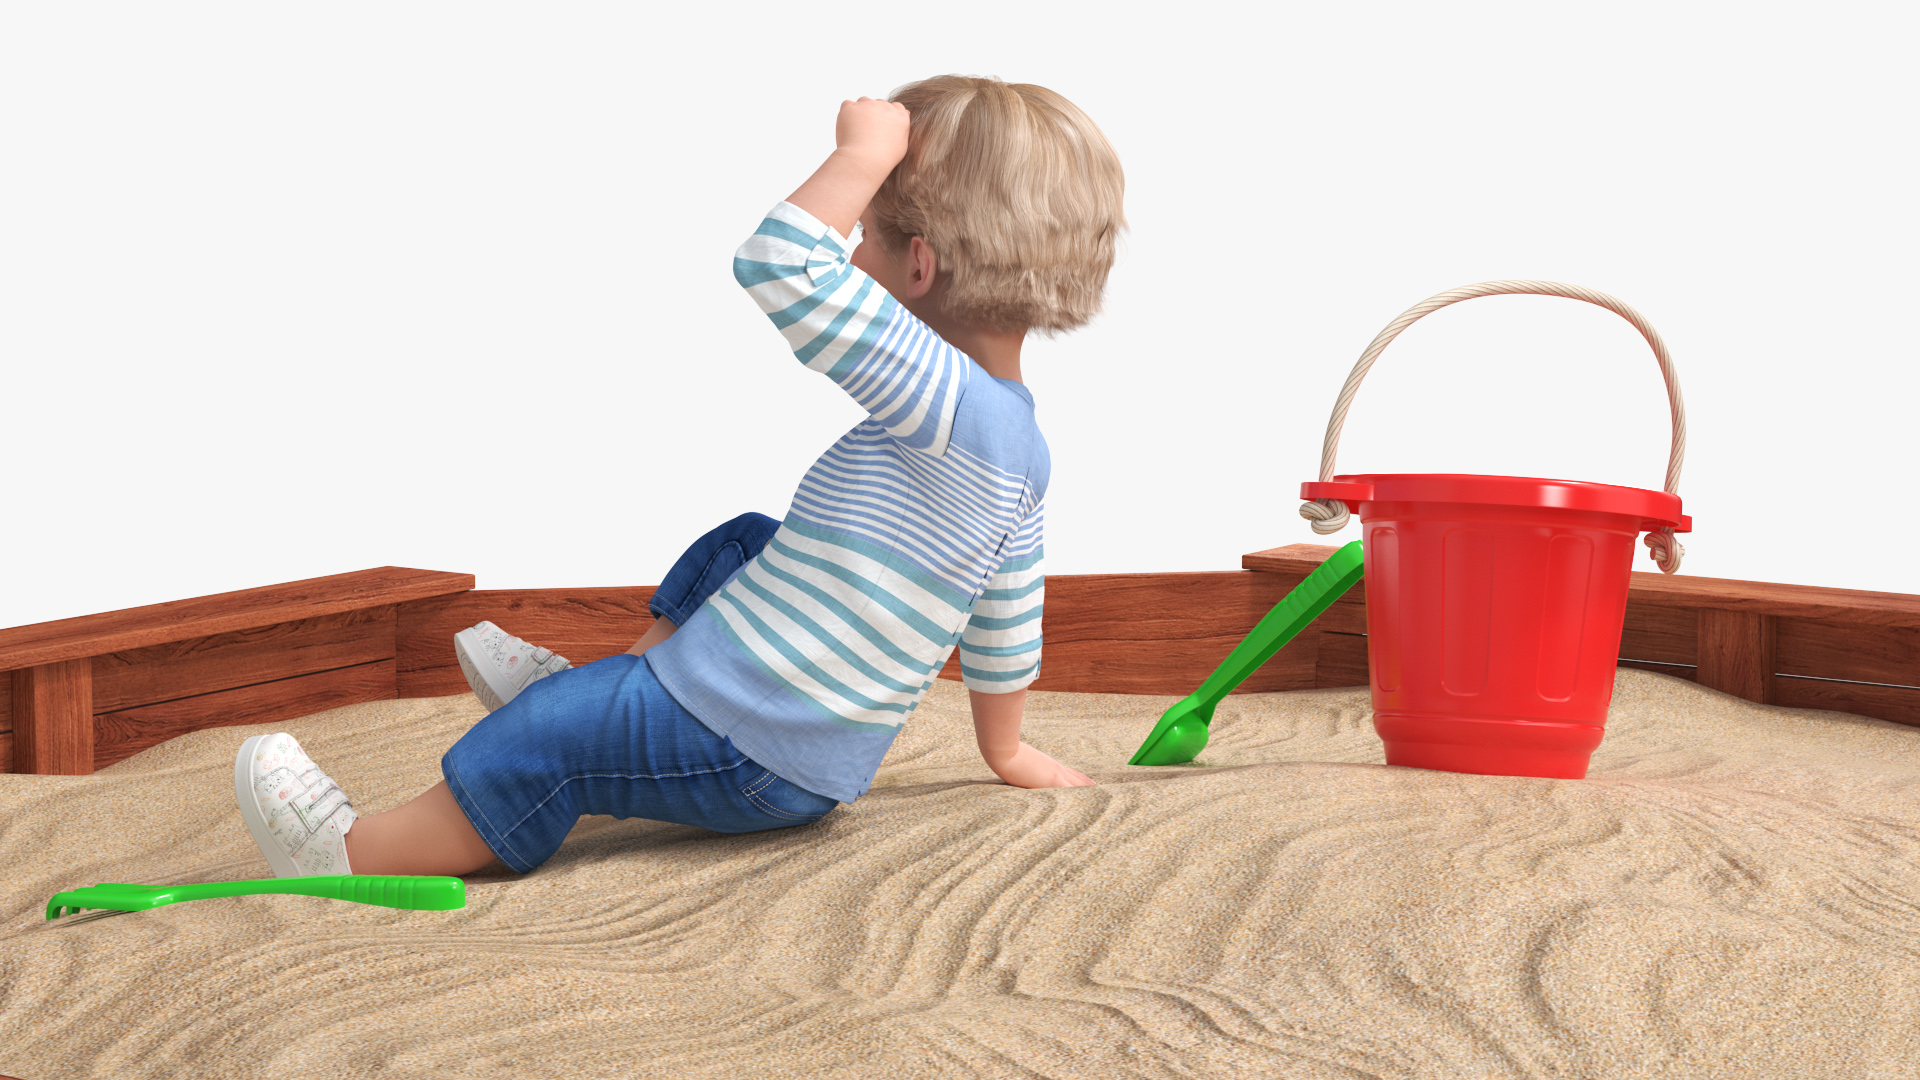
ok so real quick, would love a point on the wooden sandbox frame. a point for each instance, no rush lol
(80, 694)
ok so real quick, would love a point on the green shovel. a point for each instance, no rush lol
(386, 890)
(1182, 732)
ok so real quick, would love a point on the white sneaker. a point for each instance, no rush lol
(296, 813)
(498, 665)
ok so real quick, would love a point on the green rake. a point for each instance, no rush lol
(386, 890)
(1182, 731)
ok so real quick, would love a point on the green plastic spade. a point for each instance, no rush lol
(394, 891)
(1182, 732)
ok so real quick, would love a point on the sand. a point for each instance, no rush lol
(1731, 893)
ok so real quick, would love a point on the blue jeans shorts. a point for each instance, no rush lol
(607, 738)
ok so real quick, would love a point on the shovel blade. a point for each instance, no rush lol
(1178, 738)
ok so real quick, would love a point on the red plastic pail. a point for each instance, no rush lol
(1495, 603)
(1494, 611)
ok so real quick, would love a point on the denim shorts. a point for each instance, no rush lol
(607, 738)
(708, 563)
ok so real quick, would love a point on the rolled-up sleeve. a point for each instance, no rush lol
(841, 323)
(1000, 647)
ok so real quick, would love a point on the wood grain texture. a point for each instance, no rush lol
(1660, 635)
(1290, 559)
(1347, 615)
(1767, 598)
(1343, 661)
(1160, 633)
(178, 669)
(6, 751)
(223, 613)
(1873, 654)
(120, 735)
(53, 718)
(1678, 671)
(1737, 654)
(582, 625)
(6, 704)
(1900, 704)
(1680, 591)
(1160, 667)
(1163, 633)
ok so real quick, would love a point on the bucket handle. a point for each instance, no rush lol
(1330, 515)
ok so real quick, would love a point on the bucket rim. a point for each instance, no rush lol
(1656, 509)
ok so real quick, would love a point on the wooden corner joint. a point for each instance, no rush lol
(1738, 654)
(53, 718)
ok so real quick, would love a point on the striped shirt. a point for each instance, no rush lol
(917, 531)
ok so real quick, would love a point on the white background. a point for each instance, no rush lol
(295, 290)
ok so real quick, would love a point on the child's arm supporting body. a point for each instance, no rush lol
(1001, 646)
(996, 726)
(870, 139)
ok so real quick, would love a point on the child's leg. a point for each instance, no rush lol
(429, 835)
(434, 833)
(707, 564)
(605, 738)
(661, 630)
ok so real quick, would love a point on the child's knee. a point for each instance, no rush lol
(751, 530)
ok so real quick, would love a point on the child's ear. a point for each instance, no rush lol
(922, 267)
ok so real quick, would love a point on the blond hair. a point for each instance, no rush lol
(1018, 194)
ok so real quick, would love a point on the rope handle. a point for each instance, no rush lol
(1330, 515)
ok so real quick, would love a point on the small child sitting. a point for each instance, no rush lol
(948, 222)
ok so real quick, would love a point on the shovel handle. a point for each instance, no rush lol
(1328, 582)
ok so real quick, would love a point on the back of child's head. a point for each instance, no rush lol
(1017, 192)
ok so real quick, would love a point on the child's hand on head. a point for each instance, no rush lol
(874, 130)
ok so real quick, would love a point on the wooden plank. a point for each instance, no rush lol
(1132, 666)
(1678, 671)
(1160, 633)
(582, 625)
(1681, 591)
(122, 734)
(1767, 598)
(1118, 633)
(1870, 654)
(6, 750)
(53, 718)
(1157, 607)
(1342, 661)
(178, 669)
(1661, 635)
(1348, 615)
(223, 613)
(1737, 654)
(6, 704)
(1900, 704)
(1293, 558)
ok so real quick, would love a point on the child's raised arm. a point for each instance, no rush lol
(870, 138)
(996, 726)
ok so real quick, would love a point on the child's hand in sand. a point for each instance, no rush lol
(874, 131)
(1030, 768)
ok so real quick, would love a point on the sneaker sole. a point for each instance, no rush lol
(475, 680)
(282, 863)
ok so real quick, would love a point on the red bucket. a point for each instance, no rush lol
(1495, 603)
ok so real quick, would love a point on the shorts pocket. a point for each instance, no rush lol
(786, 803)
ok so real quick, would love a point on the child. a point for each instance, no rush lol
(786, 655)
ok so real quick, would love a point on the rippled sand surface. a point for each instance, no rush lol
(1732, 893)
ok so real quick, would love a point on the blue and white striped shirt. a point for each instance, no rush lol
(917, 531)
